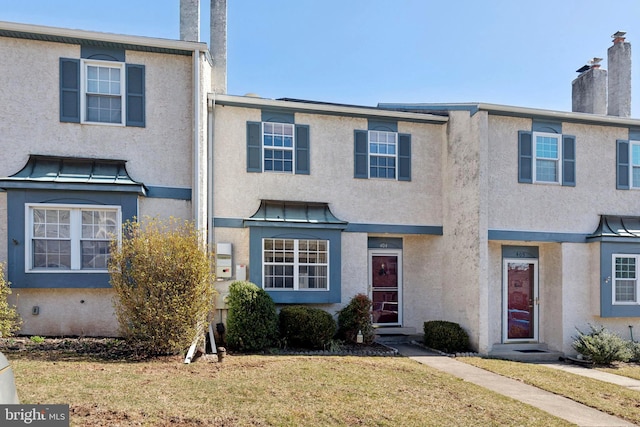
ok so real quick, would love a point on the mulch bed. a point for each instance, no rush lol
(117, 349)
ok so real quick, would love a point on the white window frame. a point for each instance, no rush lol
(558, 160)
(280, 148)
(85, 63)
(631, 165)
(75, 235)
(614, 279)
(296, 266)
(385, 155)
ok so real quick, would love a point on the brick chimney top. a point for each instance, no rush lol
(618, 37)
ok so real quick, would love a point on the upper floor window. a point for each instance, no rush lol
(103, 88)
(625, 286)
(546, 158)
(628, 164)
(295, 264)
(278, 147)
(102, 91)
(382, 154)
(70, 237)
(278, 143)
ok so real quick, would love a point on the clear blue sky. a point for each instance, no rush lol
(512, 52)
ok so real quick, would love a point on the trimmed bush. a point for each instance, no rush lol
(445, 336)
(634, 351)
(601, 346)
(306, 327)
(163, 286)
(354, 317)
(252, 321)
(10, 320)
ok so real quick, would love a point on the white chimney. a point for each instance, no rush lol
(218, 45)
(589, 89)
(190, 20)
(619, 59)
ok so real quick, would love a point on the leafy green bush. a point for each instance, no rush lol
(162, 279)
(307, 327)
(354, 317)
(252, 321)
(445, 336)
(10, 320)
(634, 351)
(601, 346)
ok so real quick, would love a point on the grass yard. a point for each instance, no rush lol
(256, 390)
(610, 398)
(626, 370)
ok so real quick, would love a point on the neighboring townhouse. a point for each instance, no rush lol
(96, 129)
(519, 224)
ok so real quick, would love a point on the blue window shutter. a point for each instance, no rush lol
(69, 90)
(135, 95)
(404, 157)
(361, 151)
(254, 147)
(302, 149)
(622, 161)
(569, 160)
(525, 156)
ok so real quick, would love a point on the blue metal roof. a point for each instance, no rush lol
(73, 173)
(617, 226)
(302, 213)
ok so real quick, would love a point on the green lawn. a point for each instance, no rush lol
(610, 398)
(264, 391)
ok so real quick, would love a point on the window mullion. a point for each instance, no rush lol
(296, 265)
(75, 235)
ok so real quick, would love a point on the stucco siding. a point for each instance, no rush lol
(530, 207)
(31, 123)
(376, 201)
(66, 312)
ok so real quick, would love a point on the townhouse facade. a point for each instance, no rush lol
(519, 224)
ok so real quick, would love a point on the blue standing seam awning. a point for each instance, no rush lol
(274, 213)
(73, 173)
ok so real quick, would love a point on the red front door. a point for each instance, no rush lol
(385, 277)
(521, 299)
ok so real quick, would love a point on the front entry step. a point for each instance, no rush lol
(525, 352)
(394, 335)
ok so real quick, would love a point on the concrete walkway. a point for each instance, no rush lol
(558, 406)
(627, 382)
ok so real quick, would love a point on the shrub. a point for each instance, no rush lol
(634, 351)
(252, 321)
(307, 327)
(601, 346)
(445, 336)
(162, 279)
(354, 317)
(10, 320)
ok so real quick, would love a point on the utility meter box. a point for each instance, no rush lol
(223, 261)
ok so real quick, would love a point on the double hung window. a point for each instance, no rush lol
(295, 264)
(625, 283)
(546, 158)
(382, 154)
(278, 146)
(103, 85)
(66, 237)
(547, 165)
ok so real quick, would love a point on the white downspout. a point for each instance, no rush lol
(195, 197)
(210, 138)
